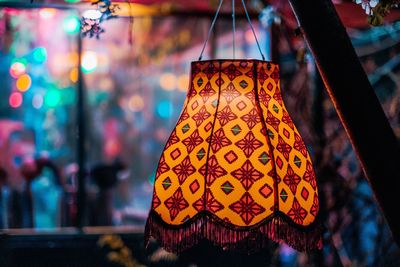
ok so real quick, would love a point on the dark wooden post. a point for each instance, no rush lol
(81, 151)
(355, 102)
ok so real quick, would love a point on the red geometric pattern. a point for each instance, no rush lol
(248, 144)
(291, 179)
(232, 72)
(184, 116)
(176, 203)
(210, 70)
(173, 139)
(175, 154)
(211, 203)
(194, 186)
(315, 207)
(252, 118)
(266, 191)
(262, 76)
(230, 93)
(247, 208)
(230, 157)
(297, 213)
(309, 175)
(201, 116)
(287, 120)
(162, 166)
(219, 140)
(247, 174)
(273, 121)
(264, 97)
(183, 170)
(207, 92)
(226, 115)
(192, 141)
(299, 145)
(235, 151)
(304, 193)
(284, 148)
(213, 170)
(156, 201)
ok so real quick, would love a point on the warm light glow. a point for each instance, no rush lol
(249, 36)
(73, 75)
(235, 163)
(47, 13)
(24, 82)
(15, 100)
(89, 61)
(136, 103)
(71, 25)
(92, 14)
(183, 82)
(37, 101)
(168, 81)
(17, 69)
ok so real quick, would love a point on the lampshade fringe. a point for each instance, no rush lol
(278, 228)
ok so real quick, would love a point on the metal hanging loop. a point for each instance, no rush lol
(233, 28)
(211, 28)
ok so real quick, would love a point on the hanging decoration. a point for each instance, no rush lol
(91, 22)
(235, 169)
(377, 10)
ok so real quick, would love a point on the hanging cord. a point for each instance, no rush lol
(211, 28)
(233, 27)
(251, 26)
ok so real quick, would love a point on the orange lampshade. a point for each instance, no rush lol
(235, 170)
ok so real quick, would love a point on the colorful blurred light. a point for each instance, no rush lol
(165, 109)
(183, 83)
(136, 103)
(72, 1)
(89, 61)
(15, 100)
(71, 25)
(37, 101)
(40, 54)
(92, 14)
(24, 82)
(249, 36)
(47, 13)
(52, 98)
(73, 75)
(168, 81)
(17, 69)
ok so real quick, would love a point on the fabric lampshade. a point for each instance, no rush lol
(235, 169)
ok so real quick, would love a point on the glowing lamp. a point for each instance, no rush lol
(235, 169)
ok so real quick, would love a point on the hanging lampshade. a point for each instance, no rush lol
(235, 169)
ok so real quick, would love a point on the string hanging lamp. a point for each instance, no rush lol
(235, 170)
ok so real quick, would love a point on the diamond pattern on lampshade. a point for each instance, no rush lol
(235, 169)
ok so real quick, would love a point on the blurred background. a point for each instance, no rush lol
(135, 74)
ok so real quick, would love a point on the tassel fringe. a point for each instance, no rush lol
(278, 227)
